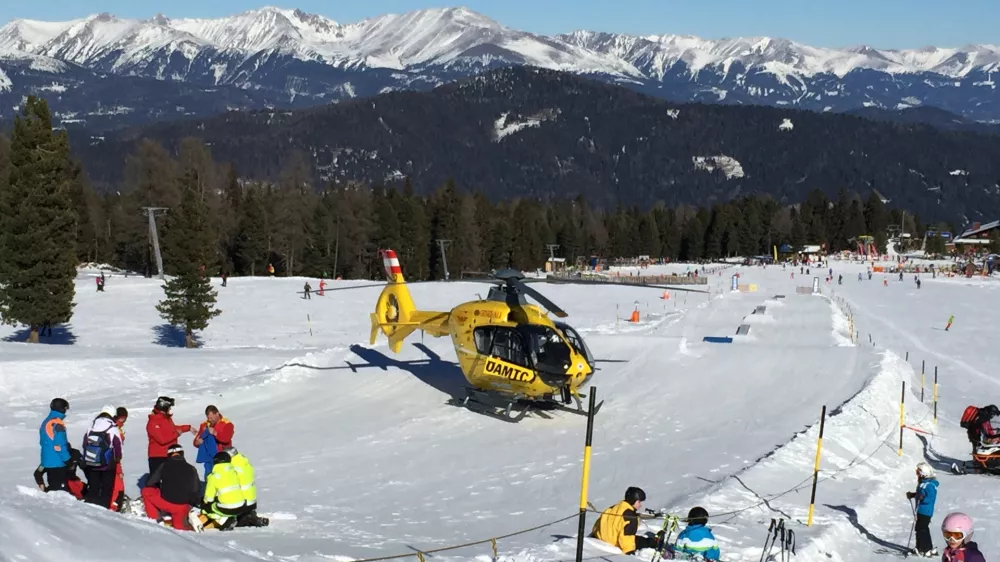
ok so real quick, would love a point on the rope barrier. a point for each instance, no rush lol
(492, 541)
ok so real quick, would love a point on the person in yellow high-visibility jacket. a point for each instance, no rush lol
(245, 473)
(619, 524)
(223, 501)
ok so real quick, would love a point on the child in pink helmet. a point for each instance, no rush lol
(957, 529)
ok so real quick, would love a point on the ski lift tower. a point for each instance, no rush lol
(153, 239)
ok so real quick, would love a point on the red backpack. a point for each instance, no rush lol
(969, 417)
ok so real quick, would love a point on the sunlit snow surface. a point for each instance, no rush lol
(358, 454)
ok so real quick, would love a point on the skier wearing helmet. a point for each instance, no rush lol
(162, 431)
(925, 497)
(697, 539)
(957, 530)
(55, 445)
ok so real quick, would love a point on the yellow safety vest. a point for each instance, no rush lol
(244, 470)
(223, 487)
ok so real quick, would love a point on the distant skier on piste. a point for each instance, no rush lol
(925, 497)
(950, 320)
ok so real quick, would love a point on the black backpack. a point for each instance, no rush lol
(97, 449)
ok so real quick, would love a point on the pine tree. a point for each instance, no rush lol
(190, 299)
(251, 240)
(37, 225)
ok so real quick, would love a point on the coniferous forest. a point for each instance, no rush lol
(324, 230)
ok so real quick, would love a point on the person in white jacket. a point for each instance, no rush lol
(102, 451)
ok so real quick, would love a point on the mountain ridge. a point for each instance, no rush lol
(287, 58)
(528, 132)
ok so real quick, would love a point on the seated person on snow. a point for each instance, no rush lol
(245, 473)
(224, 501)
(697, 539)
(172, 489)
(618, 524)
(74, 485)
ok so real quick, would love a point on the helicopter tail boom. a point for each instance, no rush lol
(395, 314)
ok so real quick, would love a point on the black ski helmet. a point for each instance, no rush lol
(59, 405)
(634, 494)
(221, 457)
(697, 516)
(164, 403)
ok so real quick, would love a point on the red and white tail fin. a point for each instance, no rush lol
(391, 264)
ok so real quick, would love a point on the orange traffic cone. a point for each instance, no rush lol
(665, 296)
(635, 315)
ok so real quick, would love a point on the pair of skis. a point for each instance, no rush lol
(778, 534)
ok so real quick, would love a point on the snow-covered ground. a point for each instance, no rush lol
(358, 454)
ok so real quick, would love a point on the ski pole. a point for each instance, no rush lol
(781, 524)
(767, 540)
(913, 525)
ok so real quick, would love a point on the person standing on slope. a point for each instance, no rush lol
(957, 529)
(173, 488)
(214, 435)
(162, 432)
(102, 452)
(950, 320)
(925, 496)
(618, 524)
(118, 495)
(55, 446)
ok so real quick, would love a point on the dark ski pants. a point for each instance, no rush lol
(923, 529)
(101, 486)
(154, 463)
(57, 478)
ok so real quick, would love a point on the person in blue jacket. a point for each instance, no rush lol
(697, 539)
(925, 497)
(55, 445)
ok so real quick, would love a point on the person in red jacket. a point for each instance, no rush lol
(218, 426)
(118, 493)
(162, 432)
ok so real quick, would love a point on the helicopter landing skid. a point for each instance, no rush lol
(514, 409)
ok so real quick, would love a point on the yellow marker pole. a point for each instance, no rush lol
(586, 474)
(935, 394)
(819, 447)
(923, 363)
(902, 422)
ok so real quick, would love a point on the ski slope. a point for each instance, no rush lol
(359, 455)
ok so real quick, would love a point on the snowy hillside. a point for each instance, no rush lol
(358, 454)
(289, 58)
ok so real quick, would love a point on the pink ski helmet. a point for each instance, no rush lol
(957, 527)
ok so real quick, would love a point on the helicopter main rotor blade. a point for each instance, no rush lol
(558, 281)
(541, 299)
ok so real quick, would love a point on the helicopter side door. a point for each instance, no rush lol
(503, 343)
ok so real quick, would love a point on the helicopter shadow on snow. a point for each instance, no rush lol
(445, 376)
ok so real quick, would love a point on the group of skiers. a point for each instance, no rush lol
(618, 526)
(957, 527)
(173, 492)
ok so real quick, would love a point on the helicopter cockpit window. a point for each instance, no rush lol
(575, 340)
(547, 350)
(505, 343)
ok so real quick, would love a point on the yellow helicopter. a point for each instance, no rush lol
(515, 358)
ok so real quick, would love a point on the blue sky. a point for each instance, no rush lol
(828, 23)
